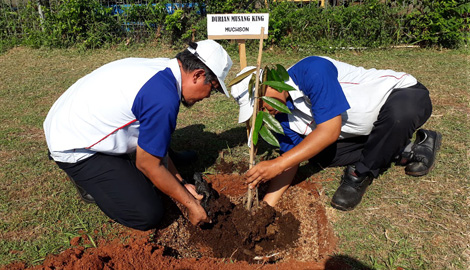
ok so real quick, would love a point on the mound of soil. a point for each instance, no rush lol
(293, 235)
(244, 235)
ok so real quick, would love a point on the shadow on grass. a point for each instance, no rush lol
(345, 262)
(208, 145)
(305, 171)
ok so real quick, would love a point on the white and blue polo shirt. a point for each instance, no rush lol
(326, 88)
(129, 102)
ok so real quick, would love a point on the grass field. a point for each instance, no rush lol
(413, 223)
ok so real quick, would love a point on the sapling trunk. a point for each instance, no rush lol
(250, 192)
(262, 123)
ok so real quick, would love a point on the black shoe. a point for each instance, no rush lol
(405, 157)
(182, 158)
(424, 151)
(85, 196)
(352, 188)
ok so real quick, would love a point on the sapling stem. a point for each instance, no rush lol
(253, 120)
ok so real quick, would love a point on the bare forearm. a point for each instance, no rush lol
(171, 186)
(173, 170)
(279, 185)
(312, 145)
(165, 181)
(324, 135)
(162, 178)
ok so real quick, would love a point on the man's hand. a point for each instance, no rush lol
(197, 215)
(263, 172)
(192, 189)
(321, 137)
(165, 181)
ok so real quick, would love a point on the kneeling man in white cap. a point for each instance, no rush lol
(131, 106)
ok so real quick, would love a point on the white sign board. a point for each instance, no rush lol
(237, 26)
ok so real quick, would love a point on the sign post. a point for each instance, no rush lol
(242, 53)
(242, 27)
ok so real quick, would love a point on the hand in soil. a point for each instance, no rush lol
(197, 215)
(203, 188)
(204, 193)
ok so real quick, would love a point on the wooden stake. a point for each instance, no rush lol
(242, 52)
(255, 112)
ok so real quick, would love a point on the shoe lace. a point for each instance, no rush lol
(346, 180)
(419, 159)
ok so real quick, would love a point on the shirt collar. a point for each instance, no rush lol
(294, 94)
(300, 101)
(175, 69)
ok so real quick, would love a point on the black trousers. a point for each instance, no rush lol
(120, 190)
(405, 110)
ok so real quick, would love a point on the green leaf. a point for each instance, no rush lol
(271, 123)
(269, 76)
(240, 77)
(251, 84)
(279, 86)
(255, 138)
(268, 137)
(263, 87)
(258, 125)
(276, 104)
(275, 75)
(282, 72)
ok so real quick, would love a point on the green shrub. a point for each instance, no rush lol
(232, 6)
(8, 31)
(85, 23)
(439, 23)
(174, 24)
(184, 24)
(18, 24)
(280, 24)
(368, 25)
(145, 20)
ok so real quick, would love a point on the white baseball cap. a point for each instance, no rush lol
(241, 95)
(213, 55)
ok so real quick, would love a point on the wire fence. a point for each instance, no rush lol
(139, 19)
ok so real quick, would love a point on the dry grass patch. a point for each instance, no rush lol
(414, 223)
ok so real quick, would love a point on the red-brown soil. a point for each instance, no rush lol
(295, 234)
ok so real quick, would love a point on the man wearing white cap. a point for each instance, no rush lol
(343, 115)
(131, 106)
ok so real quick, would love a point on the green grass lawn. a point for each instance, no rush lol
(414, 223)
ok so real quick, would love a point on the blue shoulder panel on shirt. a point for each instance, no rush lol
(156, 107)
(290, 138)
(317, 78)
